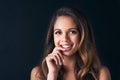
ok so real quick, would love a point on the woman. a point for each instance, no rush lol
(70, 52)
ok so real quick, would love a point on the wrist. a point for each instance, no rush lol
(52, 76)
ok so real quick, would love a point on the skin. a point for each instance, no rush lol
(65, 35)
(66, 40)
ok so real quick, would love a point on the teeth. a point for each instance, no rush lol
(65, 46)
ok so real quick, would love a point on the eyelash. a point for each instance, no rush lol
(71, 32)
(58, 32)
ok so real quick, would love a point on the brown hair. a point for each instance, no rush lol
(87, 65)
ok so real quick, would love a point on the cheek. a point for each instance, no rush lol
(76, 42)
(56, 40)
(76, 39)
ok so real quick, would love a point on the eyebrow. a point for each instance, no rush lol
(68, 29)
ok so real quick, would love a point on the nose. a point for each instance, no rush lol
(65, 38)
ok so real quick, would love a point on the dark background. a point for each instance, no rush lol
(23, 27)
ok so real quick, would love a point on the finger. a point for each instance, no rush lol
(55, 59)
(58, 49)
(61, 56)
(52, 58)
(58, 57)
(49, 58)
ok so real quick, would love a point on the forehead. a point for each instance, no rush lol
(64, 22)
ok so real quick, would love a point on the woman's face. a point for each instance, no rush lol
(66, 35)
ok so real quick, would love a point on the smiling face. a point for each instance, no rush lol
(66, 35)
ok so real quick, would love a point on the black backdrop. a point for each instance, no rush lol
(23, 27)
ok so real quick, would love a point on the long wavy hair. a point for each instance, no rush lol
(87, 63)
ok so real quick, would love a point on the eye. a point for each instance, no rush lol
(73, 31)
(58, 32)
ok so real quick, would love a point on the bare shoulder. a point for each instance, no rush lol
(104, 73)
(34, 73)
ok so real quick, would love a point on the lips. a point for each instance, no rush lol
(67, 47)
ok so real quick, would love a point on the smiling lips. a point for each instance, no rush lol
(67, 47)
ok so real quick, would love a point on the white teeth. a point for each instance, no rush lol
(65, 46)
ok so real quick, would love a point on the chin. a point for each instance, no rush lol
(69, 53)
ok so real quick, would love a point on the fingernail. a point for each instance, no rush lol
(63, 60)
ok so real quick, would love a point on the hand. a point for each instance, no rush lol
(54, 60)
